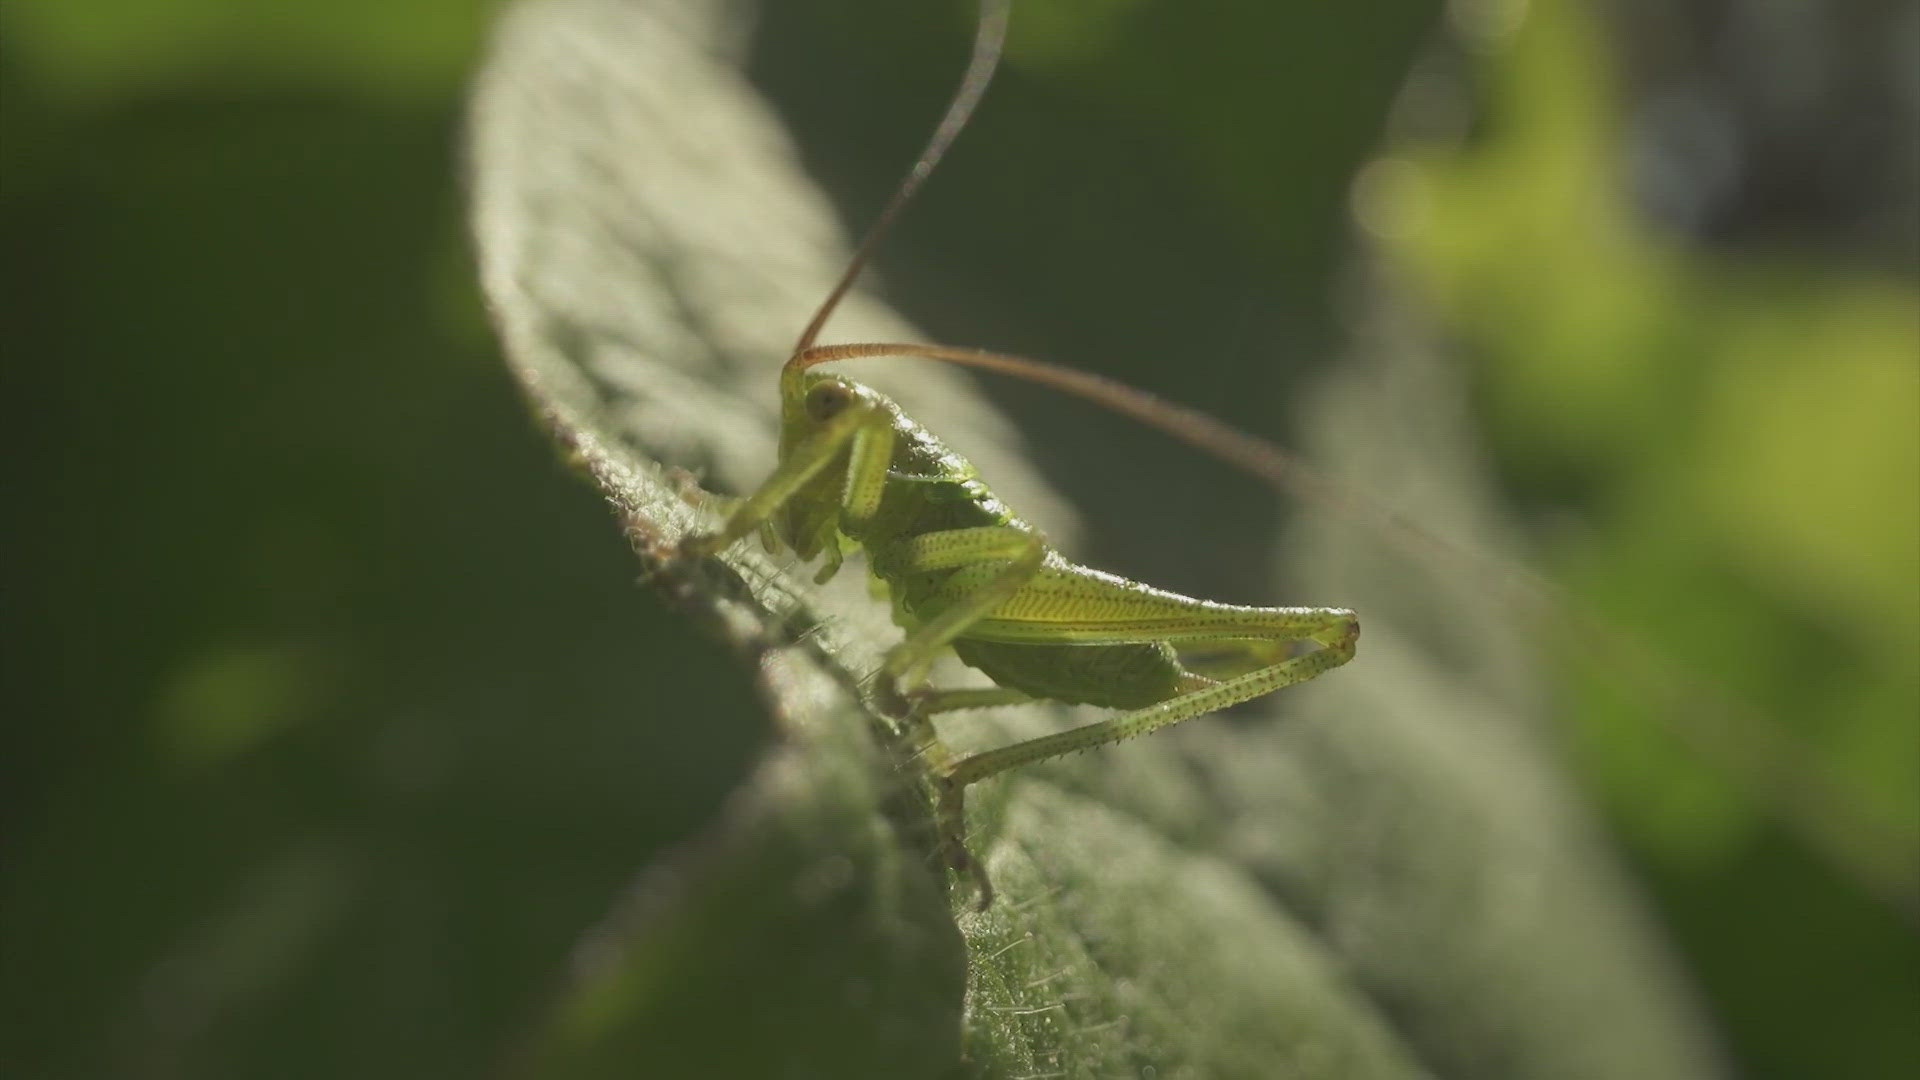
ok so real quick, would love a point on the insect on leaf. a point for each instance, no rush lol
(1381, 876)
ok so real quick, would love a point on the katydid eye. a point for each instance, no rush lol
(826, 400)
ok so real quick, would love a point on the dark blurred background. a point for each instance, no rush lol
(336, 715)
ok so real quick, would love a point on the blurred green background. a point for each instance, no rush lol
(337, 717)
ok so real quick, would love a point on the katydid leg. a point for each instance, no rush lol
(1335, 638)
(1333, 631)
(867, 427)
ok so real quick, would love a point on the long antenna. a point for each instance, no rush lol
(988, 42)
(1750, 747)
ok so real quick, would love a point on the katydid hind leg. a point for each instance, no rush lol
(1336, 636)
(1334, 633)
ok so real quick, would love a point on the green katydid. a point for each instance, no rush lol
(987, 586)
(963, 571)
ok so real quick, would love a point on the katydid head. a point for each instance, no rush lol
(812, 404)
(809, 402)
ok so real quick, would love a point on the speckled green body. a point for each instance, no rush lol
(931, 489)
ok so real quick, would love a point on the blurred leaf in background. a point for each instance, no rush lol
(1739, 415)
(119, 48)
(325, 733)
